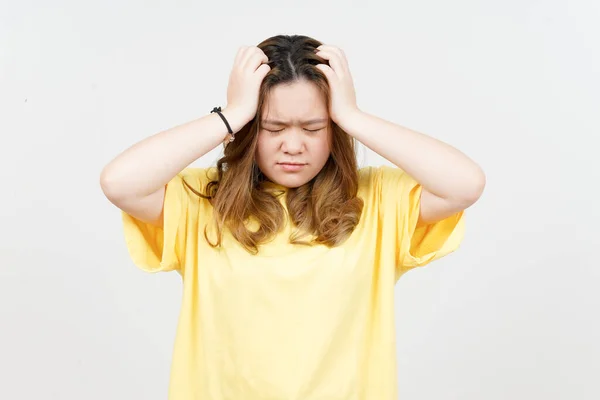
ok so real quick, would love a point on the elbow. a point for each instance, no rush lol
(109, 185)
(471, 189)
(475, 187)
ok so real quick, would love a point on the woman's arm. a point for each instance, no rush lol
(451, 181)
(135, 180)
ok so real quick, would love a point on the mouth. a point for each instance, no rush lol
(291, 166)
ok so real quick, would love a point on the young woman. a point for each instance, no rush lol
(288, 251)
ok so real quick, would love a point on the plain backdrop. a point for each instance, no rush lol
(513, 314)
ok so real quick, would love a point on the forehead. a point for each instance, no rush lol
(295, 102)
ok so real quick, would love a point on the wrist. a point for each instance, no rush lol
(237, 120)
(350, 120)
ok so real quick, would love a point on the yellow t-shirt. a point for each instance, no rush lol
(292, 322)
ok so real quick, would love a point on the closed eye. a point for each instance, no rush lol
(309, 130)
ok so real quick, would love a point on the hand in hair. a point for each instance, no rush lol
(343, 95)
(249, 69)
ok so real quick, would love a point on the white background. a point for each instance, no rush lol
(514, 84)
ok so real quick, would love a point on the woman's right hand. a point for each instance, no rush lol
(249, 69)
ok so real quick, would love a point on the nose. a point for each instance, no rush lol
(293, 142)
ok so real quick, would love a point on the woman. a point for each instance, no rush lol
(288, 251)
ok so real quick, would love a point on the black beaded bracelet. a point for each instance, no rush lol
(218, 111)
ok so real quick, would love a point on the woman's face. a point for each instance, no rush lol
(294, 141)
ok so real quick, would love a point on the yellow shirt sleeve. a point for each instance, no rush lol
(155, 249)
(399, 197)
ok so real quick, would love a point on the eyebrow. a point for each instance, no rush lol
(307, 122)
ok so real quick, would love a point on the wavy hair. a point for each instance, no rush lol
(326, 208)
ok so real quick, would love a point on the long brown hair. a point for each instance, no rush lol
(325, 207)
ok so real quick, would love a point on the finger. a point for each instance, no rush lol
(244, 58)
(329, 47)
(334, 61)
(327, 71)
(249, 51)
(255, 59)
(240, 55)
(339, 53)
(263, 70)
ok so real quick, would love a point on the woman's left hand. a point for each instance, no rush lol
(343, 95)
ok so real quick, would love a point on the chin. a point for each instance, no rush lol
(291, 180)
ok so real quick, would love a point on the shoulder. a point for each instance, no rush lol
(367, 175)
(197, 177)
(199, 173)
(367, 182)
(377, 177)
